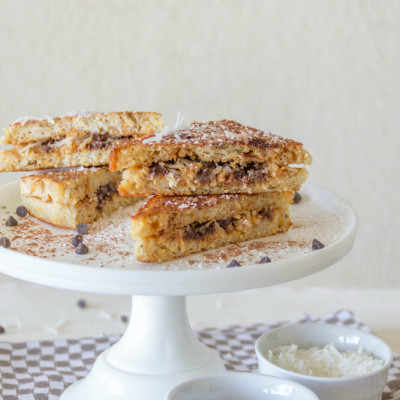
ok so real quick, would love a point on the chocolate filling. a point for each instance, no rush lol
(199, 230)
(47, 145)
(158, 169)
(99, 141)
(104, 193)
(91, 141)
(248, 173)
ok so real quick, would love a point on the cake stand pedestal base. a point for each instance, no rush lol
(157, 351)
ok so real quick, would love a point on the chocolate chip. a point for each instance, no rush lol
(2, 329)
(224, 223)
(81, 249)
(82, 228)
(317, 245)
(189, 233)
(264, 260)
(5, 242)
(267, 213)
(76, 240)
(99, 141)
(47, 145)
(296, 198)
(124, 319)
(21, 211)
(204, 174)
(81, 303)
(158, 169)
(233, 263)
(11, 221)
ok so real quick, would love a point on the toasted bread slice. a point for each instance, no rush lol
(168, 227)
(209, 178)
(85, 151)
(118, 124)
(69, 216)
(83, 140)
(66, 198)
(214, 157)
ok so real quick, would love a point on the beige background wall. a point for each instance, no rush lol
(325, 73)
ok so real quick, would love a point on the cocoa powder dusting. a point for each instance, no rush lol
(111, 246)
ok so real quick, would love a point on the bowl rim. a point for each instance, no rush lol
(243, 375)
(385, 366)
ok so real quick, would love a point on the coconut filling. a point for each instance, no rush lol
(211, 173)
(103, 194)
(72, 143)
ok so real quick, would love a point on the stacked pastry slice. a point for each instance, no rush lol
(190, 170)
(68, 197)
(76, 140)
(168, 227)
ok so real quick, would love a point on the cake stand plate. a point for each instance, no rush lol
(158, 349)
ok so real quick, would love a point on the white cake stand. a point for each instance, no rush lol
(158, 349)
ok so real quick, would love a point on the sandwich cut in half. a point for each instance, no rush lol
(168, 227)
(210, 158)
(82, 139)
(68, 197)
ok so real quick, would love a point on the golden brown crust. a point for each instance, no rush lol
(69, 216)
(174, 226)
(87, 151)
(68, 186)
(126, 123)
(218, 141)
(165, 213)
(196, 178)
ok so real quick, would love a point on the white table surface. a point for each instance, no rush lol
(33, 312)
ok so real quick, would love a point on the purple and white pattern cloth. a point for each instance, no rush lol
(41, 370)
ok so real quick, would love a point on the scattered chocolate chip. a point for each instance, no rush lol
(124, 319)
(317, 245)
(2, 329)
(11, 221)
(264, 260)
(76, 240)
(81, 303)
(296, 198)
(21, 211)
(5, 242)
(82, 228)
(81, 249)
(233, 263)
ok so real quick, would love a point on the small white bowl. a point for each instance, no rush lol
(240, 386)
(366, 387)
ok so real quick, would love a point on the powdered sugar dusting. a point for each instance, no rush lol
(74, 113)
(217, 133)
(25, 119)
(309, 223)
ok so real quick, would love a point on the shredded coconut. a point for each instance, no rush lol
(326, 362)
(159, 135)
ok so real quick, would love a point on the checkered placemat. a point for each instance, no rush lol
(42, 370)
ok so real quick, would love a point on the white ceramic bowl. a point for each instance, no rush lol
(240, 386)
(365, 387)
